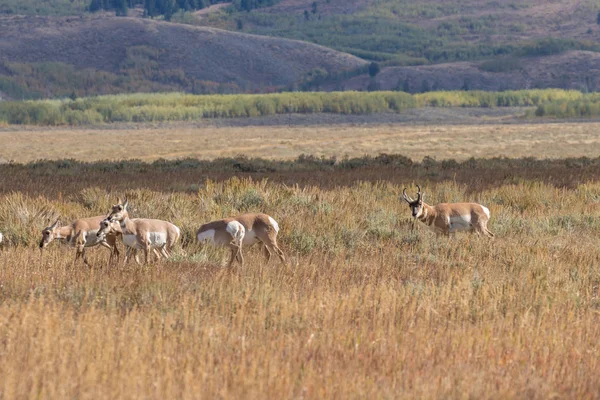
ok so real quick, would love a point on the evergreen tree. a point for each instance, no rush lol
(95, 5)
(374, 69)
(121, 8)
(406, 86)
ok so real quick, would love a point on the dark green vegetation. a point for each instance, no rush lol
(183, 107)
(45, 7)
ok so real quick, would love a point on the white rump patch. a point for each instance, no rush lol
(157, 239)
(275, 224)
(237, 231)
(486, 211)
(1, 237)
(462, 223)
(208, 235)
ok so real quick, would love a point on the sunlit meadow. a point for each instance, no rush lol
(370, 305)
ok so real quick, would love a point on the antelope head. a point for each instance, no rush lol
(118, 211)
(106, 227)
(49, 234)
(416, 206)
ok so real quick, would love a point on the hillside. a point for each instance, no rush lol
(90, 55)
(579, 70)
(431, 31)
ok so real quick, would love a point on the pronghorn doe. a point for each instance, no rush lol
(81, 234)
(447, 218)
(141, 233)
(243, 230)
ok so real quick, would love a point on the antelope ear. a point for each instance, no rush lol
(55, 224)
(125, 204)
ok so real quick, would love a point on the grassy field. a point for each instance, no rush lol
(368, 306)
(208, 141)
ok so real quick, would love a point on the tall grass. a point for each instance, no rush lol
(368, 307)
(144, 107)
(585, 106)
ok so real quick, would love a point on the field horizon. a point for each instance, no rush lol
(440, 133)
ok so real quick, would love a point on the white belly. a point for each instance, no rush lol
(249, 238)
(459, 224)
(131, 241)
(91, 238)
(157, 239)
(206, 236)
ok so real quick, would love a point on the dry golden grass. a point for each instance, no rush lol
(282, 142)
(367, 308)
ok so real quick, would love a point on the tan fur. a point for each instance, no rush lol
(141, 228)
(446, 218)
(74, 235)
(256, 226)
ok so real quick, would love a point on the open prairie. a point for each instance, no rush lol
(369, 305)
(210, 141)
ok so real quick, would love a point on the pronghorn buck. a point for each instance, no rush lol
(243, 230)
(141, 233)
(81, 234)
(447, 218)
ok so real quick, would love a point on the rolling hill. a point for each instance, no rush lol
(578, 70)
(89, 55)
(305, 44)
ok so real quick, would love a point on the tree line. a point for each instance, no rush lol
(166, 8)
(157, 107)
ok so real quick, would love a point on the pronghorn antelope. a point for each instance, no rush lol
(243, 230)
(447, 218)
(141, 233)
(81, 234)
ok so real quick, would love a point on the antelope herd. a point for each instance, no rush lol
(158, 237)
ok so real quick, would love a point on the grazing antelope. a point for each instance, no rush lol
(447, 218)
(141, 233)
(108, 226)
(243, 230)
(81, 234)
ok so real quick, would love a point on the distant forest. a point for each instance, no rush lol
(167, 8)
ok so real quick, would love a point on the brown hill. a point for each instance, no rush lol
(115, 44)
(571, 70)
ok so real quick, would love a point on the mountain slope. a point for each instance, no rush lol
(166, 53)
(430, 30)
(578, 70)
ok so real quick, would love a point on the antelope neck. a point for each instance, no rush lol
(427, 216)
(127, 225)
(64, 232)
